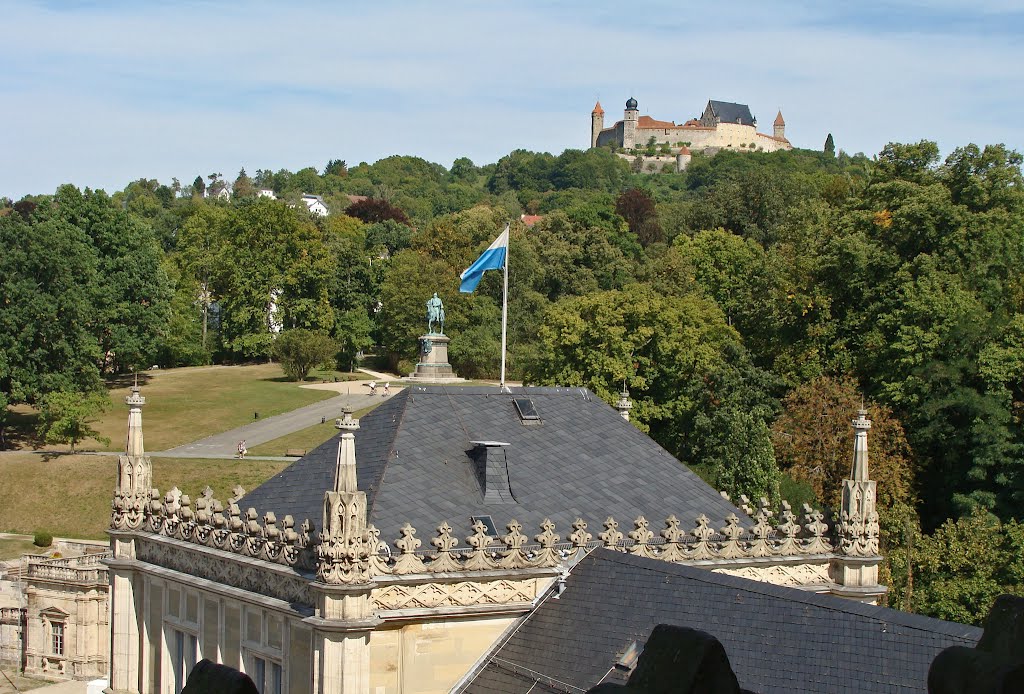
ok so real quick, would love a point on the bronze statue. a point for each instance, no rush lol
(435, 314)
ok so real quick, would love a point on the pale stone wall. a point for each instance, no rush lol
(67, 596)
(430, 657)
(11, 633)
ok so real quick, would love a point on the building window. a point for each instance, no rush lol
(267, 675)
(184, 649)
(57, 637)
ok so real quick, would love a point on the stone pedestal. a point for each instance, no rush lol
(433, 366)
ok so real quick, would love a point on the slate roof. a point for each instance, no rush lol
(729, 112)
(778, 639)
(581, 460)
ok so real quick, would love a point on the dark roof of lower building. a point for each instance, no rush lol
(778, 639)
(729, 112)
(578, 459)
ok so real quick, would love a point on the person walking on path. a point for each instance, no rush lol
(241, 449)
(387, 389)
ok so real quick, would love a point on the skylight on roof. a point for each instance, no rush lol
(527, 410)
(488, 524)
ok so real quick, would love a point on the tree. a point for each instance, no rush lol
(336, 167)
(47, 285)
(3, 419)
(353, 334)
(814, 443)
(65, 416)
(300, 351)
(830, 146)
(373, 210)
(638, 209)
(198, 187)
(957, 572)
(132, 292)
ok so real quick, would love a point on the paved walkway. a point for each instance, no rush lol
(355, 394)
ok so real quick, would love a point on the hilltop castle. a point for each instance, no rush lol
(723, 125)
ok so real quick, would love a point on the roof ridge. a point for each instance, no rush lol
(770, 590)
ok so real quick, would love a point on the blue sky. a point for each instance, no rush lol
(101, 93)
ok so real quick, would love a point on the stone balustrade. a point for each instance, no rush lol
(207, 522)
(84, 570)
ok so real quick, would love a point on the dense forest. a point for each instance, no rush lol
(750, 305)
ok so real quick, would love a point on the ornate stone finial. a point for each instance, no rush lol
(624, 405)
(345, 468)
(861, 425)
(134, 470)
(135, 401)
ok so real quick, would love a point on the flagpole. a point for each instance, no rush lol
(504, 312)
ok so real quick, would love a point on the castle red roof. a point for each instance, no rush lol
(597, 109)
(648, 122)
(779, 120)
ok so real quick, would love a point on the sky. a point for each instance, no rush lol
(102, 93)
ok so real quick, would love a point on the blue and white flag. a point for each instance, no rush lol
(491, 259)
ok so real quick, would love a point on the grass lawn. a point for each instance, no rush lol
(186, 404)
(69, 495)
(305, 439)
(12, 549)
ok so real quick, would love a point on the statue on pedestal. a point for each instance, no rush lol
(435, 314)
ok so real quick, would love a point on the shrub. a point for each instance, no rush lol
(42, 539)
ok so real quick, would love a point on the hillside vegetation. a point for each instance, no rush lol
(750, 305)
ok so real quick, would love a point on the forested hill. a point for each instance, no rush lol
(750, 305)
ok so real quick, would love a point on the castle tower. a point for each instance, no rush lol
(780, 126)
(856, 567)
(596, 123)
(630, 121)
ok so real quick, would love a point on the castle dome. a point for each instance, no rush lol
(631, 104)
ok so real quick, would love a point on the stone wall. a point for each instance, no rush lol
(430, 657)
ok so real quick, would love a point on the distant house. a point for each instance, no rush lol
(220, 191)
(266, 193)
(530, 219)
(315, 205)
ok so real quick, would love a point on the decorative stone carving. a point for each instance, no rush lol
(798, 575)
(445, 559)
(408, 562)
(242, 574)
(641, 538)
(463, 594)
(343, 552)
(611, 537)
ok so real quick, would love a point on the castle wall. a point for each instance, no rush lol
(430, 657)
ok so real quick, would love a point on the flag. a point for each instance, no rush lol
(491, 259)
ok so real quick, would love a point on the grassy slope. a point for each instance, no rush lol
(305, 439)
(183, 405)
(69, 495)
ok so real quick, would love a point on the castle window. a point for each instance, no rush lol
(57, 637)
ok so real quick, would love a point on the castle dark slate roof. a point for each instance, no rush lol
(778, 639)
(728, 112)
(416, 462)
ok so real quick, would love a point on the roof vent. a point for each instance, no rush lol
(527, 411)
(492, 471)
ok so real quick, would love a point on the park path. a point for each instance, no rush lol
(354, 394)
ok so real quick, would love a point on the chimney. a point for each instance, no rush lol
(492, 471)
